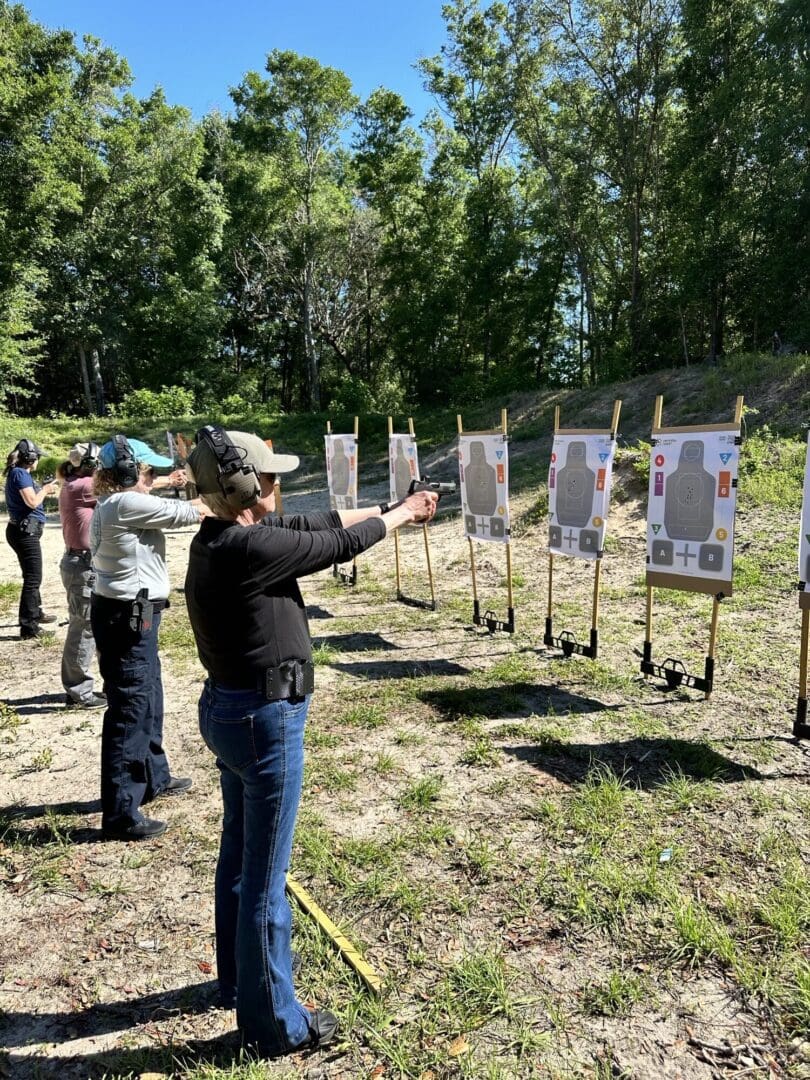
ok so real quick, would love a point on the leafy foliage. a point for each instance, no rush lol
(605, 189)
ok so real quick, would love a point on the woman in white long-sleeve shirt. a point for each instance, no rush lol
(131, 590)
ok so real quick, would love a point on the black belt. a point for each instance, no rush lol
(83, 552)
(291, 679)
(97, 598)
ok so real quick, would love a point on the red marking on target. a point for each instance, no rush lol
(659, 460)
(553, 458)
(500, 474)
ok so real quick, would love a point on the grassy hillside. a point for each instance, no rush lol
(776, 389)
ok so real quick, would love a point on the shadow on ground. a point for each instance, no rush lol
(520, 699)
(21, 1029)
(38, 703)
(360, 642)
(643, 762)
(400, 669)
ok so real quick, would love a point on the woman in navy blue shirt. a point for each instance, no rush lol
(24, 499)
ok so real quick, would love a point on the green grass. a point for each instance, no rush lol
(421, 794)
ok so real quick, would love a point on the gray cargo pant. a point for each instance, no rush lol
(77, 656)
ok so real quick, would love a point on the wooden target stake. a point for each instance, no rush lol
(396, 531)
(489, 619)
(566, 641)
(412, 433)
(673, 671)
(351, 577)
(469, 540)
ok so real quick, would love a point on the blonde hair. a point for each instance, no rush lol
(106, 481)
(219, 506)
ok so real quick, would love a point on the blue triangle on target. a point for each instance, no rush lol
(604, 457)
(499, 453)
(724, 458)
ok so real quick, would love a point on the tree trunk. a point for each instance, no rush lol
(98, 382)
(88, 400)
(716, 345)
(309, 344)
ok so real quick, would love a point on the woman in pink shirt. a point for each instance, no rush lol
(76, 502)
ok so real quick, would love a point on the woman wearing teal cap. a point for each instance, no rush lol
(131, 590)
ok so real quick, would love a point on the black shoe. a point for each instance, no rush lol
(94, 701)
(31, 632)
(42, 617)
(140, 830)
(323, 1027)
(177, 785)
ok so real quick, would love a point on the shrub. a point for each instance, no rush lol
(169, 401)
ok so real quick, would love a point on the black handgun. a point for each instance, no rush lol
(426, 484)
(49, 479)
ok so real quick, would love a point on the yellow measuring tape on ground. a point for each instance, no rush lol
(341, 942)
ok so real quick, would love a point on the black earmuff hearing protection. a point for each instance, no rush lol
(27, 451)
(239, 483)
(125, 467)
(90, 460)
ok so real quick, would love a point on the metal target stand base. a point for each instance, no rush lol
(801, 729)
(345, 577)
(567, 643)
(674, 673)
(410, 601)
(491, 621)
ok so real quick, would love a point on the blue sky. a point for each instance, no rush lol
(197, 50)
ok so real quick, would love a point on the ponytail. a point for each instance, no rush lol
(12, 461)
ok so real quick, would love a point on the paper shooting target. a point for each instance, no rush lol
(579, 482)
(403, 465)
(341, 471)
(690, 511)
(484, 481)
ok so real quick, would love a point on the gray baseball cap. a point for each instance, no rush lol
(202, 461)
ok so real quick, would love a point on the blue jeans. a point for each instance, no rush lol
(134, 768)
(259, 746)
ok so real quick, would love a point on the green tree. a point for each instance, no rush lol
(298, 115)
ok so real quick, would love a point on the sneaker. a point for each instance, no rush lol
(139, 830)
(177, 785)
(94, 701)
(42, 617)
